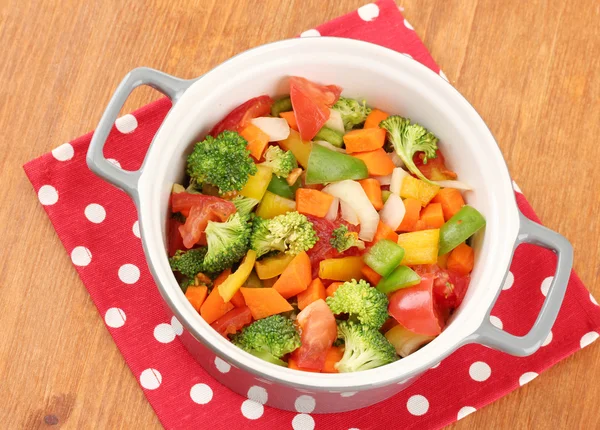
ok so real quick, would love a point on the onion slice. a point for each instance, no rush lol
(384, 180)
(398, 176)
(335, 121)
(330, 146)
(393, 211)
(395, 159)
(277, 128)
(352, 193)
(332, 213)
(348, 214)
(454, 184)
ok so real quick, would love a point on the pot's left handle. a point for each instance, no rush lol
(169, 85)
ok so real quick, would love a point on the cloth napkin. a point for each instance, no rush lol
(98, 227)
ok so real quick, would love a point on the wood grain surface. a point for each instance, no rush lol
(530, 68)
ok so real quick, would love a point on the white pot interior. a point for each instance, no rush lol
(387, 80)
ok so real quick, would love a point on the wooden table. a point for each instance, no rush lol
(530, 68)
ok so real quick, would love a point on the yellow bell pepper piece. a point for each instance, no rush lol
(300, 148)
(419, 190)
(257, 184)
(420, 247)
(272, 205)
(341, 269)
(270, 267)
(177, 188)
(236, 280)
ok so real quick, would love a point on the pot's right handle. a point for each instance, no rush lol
(489, 335)
(169, 85)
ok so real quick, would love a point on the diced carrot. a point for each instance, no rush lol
(433, 215)
(372, 189)
(451, 200)
(314, 292)
(214, 307)
(293, 365)
(384, 231)
(334, 354)
(290, 118)
(420, 225)
(413, 208)
(372, 276)
(375, 117)
(268, 283)
(377, 161)
(196, 296)
(264, 302)
(461, 259)
(295, 278)
(332, 287)
(364, 139)
(257, 140)
(238, 300)
(313, 202)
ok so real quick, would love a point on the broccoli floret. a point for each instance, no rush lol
(223, 162)
(269, 338)
(244, 205)
(353, 113)
(188, 263)
(227, 242)
(342, 239)
(362, 302)
(282, 162)
(409, 139)
(291, 232)
(365, 348)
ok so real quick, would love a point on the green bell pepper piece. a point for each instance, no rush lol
(401, 277)
(384, 257)
(282, 105)
(280, 187)
(330, 135)
(325, 165)
(464, 224)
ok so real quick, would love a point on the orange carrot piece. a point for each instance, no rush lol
(214, 307)
(313, 202)
(384, 231)
(334, 354)
(372, 189)
(264, 302)
(238, 300)
(332, 287)
(433, 215)
(257, 140)
(372, 276)
(451, 200)
(413, 208)
(295, 278)
(314, 292)
(290, 117)
(420, 225)
(293, 365)
(364, 139)
(375, 117)
(196, 296)
(461, 259)
(268, 283)
(377, 161)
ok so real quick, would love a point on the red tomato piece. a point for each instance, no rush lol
(319, 331)
(200, 215)
(241, 115)
(311, 102)
(183, 202)
(415, 308)
(449, 287)
(174, 239)
(233, 321)
(435, 168)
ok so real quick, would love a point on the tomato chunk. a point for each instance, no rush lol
(435, 168)
(174, 239)
(319, 331)
(241, 115)
(233, 321)
(204, 210)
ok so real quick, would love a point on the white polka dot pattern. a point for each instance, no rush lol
(115, 318)
(588, 338)
(129, 273)
(150, 379)
(464, 411)
(164, 333)
(407, 24)
(546, 285)
(126, 124)
(480, 371)
(252, 410)
(201, 394)
(496, 322)
(310, 33)
(136, 229)
(47, 195)
(303, 422)
(417, 405)
(305, 404)
(527, 377)
(81, 256)
(368, 12)
(221, 365)
(63, 152)
(95, 213)
(509, 281)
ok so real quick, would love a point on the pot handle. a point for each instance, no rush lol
(169, 85)
(493, 337)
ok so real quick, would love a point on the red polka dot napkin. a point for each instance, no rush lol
(98, 226)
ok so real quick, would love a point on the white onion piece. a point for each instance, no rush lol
(384, 180)
(348, 214)
(335, 121)
(454, 184)
(398, 176)
(351, 193)
(395, 159)
(330, 146)
(332, 213)
(277, 128)
(393, 211)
